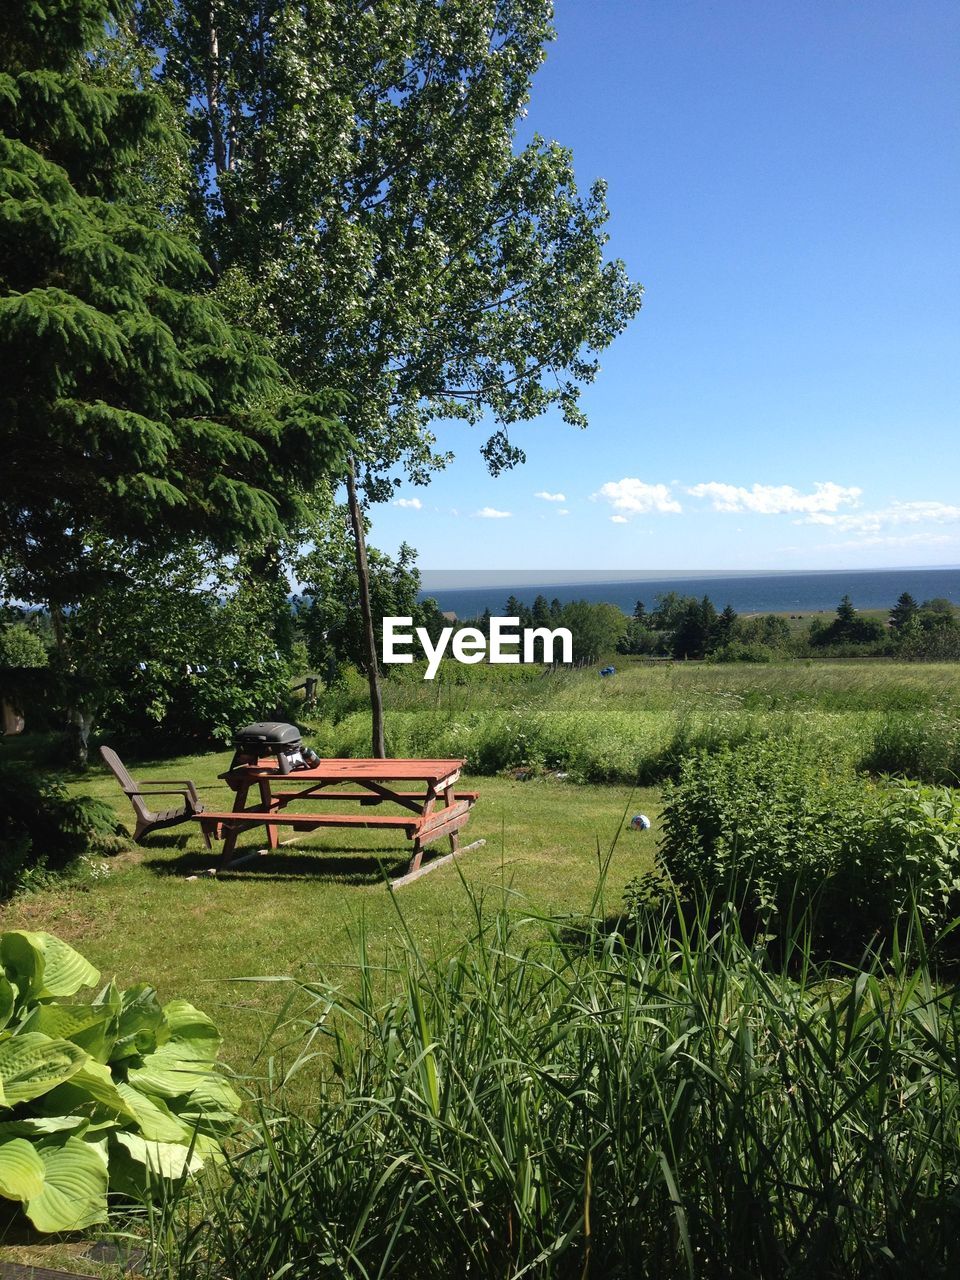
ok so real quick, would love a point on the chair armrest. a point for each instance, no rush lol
(170, 782)
(179, 791)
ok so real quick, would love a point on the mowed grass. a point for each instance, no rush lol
(154, 913)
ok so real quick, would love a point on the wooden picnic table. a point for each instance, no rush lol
(422, 823)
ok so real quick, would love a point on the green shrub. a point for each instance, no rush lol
(43, 829)
(783, 832)
(741, 651)
(117, 1094)
(925, 746)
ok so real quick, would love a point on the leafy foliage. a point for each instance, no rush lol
(119, 1093)
(132, 410)
(776, 828)
(847, 628)
(329, 612)
(20, 646)
(180, 647)
(42, 828)
(356, 162)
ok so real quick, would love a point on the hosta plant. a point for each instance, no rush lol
(114, 1094)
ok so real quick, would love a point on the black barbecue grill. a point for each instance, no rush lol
(272, 738)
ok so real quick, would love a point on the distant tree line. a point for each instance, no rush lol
(690, 627)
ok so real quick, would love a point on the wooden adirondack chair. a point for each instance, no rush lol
(139, 792)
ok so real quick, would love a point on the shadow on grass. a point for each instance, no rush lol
(346, 865)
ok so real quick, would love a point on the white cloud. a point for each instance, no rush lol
(551, 497)
(619, 520)
(414, 503)
(895, 540)
(898, 513)
(563, 512)
(775, 500)
(491, 513)
(636, 497)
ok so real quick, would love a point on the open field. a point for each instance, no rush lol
(637, 724)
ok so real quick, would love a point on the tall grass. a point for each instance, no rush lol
(550, 1103)
(637, 725)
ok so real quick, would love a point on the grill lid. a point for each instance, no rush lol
(269, 735)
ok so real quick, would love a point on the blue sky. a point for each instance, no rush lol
(784, 181)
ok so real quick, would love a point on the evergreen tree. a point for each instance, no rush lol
(540, 613)
(846, 614)
(904, 613)
(133, 413)
(695, 628)
(726, 625)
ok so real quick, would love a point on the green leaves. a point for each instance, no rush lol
(51, 966)
(74, 1191)
(32, 1064)
(121, 1076)
(21, 1170)
(112, 351)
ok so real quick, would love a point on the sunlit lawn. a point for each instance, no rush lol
(157, 916)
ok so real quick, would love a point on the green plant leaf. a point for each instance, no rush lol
(44, 966)
(74, 1191)
(83, 1024)
(211, 1107)
(21, 1170)
(65, 971)
(141, 1025)
(160, 1159)
(157, 1122)
(195, 1035)
(167, 1075)
(22, 961)
(92, 1083)
(8, 998)
(37, 1126)
(32, 1064)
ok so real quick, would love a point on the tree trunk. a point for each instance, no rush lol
(79, 715)
(379, 749)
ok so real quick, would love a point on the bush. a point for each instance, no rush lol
(43, 829)
(784, 833)
(741, 651)
(116, 1094)
(925, 747)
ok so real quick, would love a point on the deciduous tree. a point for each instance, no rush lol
(359, 162)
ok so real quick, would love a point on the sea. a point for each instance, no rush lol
(784, 592)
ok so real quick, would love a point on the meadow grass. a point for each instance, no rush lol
(640, 722)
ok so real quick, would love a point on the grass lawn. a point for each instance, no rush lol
(297, 912)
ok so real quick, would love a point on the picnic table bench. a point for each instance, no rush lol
(424, 821)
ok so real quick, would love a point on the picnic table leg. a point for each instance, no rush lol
(428, 804)
(231, 833)
(270, 804)
(448, 800)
